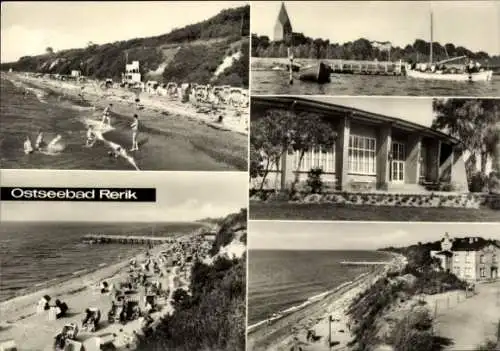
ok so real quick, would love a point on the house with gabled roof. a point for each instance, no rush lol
(469, 258)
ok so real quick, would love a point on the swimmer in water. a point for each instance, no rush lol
(54, 141)
(117, 151)
(135, 132)
(105, 115)
(28, 148)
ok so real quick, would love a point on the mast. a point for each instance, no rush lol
(432, 40)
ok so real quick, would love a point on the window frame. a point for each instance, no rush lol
(361, 157)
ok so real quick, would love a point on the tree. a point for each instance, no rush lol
(49, 50)
(270, 136)
(476, 122)
(309, 131)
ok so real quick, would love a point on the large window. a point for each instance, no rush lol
(317, 157)
(362, 155)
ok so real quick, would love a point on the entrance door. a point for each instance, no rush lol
(398, 162)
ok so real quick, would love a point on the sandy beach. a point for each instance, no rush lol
(36, 331)
(280, 334)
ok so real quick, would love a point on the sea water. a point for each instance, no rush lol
(269, 82)
(280, 280)
(38, 254)
(167, 141)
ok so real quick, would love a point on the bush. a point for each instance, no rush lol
(478, 183)
(314, 181)
(215, 318)
(494, 183)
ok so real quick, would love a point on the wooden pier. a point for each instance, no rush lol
(382, 68)
(126, 239)
(364, 263)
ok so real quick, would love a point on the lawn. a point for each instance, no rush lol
(290, 211)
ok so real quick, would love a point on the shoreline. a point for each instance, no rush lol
(90, 92)
(20, 321)
(284, 331)
(200, 142)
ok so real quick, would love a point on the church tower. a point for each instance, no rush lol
(283, 27)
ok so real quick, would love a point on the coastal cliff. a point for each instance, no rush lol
(215, 303)
(195, 53)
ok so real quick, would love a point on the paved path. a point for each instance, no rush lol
(473, 321)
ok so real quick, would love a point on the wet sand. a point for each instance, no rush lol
(173, 134)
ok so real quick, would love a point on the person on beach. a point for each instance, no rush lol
(39, 143)
(44, 303)
(92, 318)
(63, 308)
(106, 115)
(135, 132)
(28, 148)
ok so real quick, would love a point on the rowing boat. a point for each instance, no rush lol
(318, 74)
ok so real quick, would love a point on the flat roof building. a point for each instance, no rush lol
(372, 152)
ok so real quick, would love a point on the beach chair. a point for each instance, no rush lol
(73, 345)
(8, 345)
(53, 312)
(92, 344)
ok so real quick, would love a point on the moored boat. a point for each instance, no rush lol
(318, 74)
(481, 76)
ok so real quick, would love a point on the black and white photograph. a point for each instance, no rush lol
(163, 275)
(380, 287)
(375, 158)
(125, 85)
(404, 48)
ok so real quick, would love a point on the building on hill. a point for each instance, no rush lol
(472, 258)
(132, 74)
(283, 26)
(372, 152)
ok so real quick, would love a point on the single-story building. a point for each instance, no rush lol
(371, 151)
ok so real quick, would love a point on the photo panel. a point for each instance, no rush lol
(169, 94)
(375, 158)
(398, 48)
(143, 261)
(373, 286)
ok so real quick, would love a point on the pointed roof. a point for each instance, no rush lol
(283, 15)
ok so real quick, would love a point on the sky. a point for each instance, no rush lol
(414, 109)
(181, 196)
(298, 235)
(28, 27)
(473, 24)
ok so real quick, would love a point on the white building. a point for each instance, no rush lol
(132, 73)
(75, 73)
(472, 258)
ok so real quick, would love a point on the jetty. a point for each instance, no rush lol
(385, 68)
(127, 239)
(364, 263)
